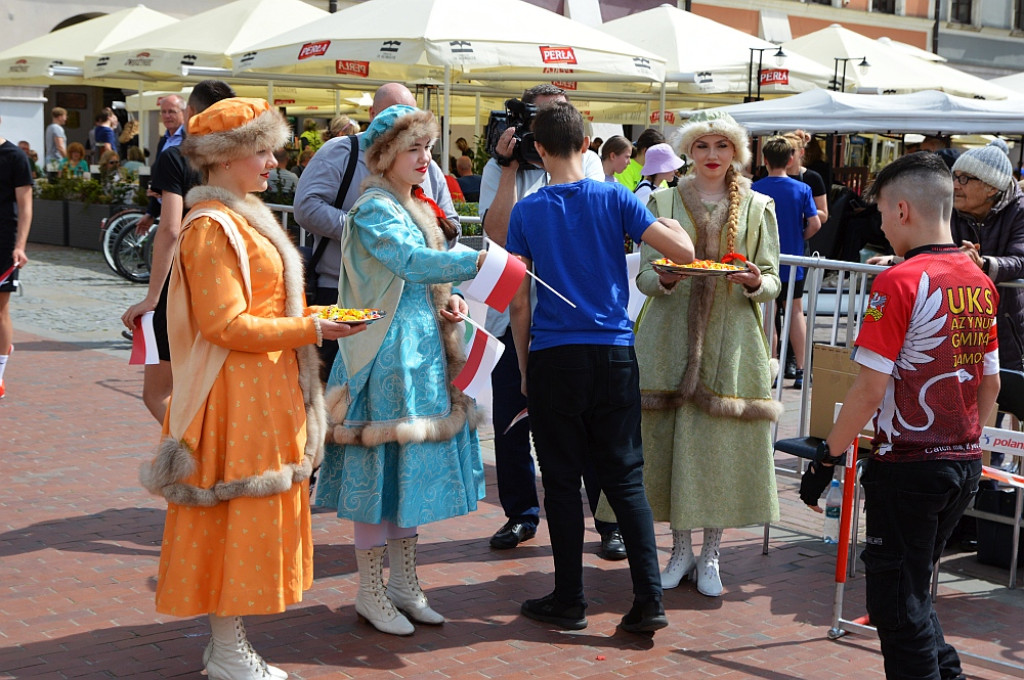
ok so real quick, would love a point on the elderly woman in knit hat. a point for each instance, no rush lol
(705, 364)
(405, 450)
(988, 222)
(246, 423)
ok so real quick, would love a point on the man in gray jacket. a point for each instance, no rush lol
(317, 192)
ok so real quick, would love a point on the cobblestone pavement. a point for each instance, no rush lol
(79, 544)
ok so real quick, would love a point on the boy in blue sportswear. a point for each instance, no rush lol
(798, 221)
(579, 367)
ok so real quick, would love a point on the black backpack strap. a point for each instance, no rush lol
(346, 182)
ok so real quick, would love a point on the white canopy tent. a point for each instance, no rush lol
(927, 112)
(893, 71)
(705, 57)
(439, 42)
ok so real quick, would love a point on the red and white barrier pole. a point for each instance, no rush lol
(844, 547)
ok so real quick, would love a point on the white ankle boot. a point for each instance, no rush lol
(403, 587)
(229, 656)
(709, 582)
(681, 563)
(372, 603)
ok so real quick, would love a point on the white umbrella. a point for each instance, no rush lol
(705, 57)
(440, 40)
(892, 70)
(32, 62)
(205, 39)
(912, 50)
(1014, 83)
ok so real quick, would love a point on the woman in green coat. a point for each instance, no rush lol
(705, 366)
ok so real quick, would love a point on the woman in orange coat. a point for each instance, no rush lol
(246, 424)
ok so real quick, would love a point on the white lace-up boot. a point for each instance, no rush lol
(372, 602)
(403, 587)
(682, 561)
(709, 582)
(230, 656)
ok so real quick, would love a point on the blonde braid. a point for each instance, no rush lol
(733, 219)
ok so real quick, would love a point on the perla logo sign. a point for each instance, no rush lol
(314, 49)
(20, 66)
(557, 55)
(140, 59)
(349, 67)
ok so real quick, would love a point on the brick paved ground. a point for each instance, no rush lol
(79, 543)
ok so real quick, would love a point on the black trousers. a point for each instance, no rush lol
(584, 405)
(911, 509)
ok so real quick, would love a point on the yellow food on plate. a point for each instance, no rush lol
(698, 264)
(334, 313)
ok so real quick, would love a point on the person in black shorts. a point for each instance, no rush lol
(15, 220)
(172, 178)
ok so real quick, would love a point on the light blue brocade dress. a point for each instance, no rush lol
(418, 482)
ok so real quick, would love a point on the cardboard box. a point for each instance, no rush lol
(832, 374)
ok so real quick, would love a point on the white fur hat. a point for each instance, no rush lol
(703, 123)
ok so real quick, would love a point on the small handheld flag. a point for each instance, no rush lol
(498, 279)
(485, 351)
(144, 349)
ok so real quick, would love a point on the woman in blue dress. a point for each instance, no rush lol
(405, 450)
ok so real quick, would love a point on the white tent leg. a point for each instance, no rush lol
(661, 103)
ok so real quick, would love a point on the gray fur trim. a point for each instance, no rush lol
(463, 408)
(268, 132)
(174, 461)
(406, 130)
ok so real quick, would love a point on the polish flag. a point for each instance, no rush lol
(144, 349)
(484, 352)
(498, 280)
(6, 275)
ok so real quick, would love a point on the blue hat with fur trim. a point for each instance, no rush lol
(382, 122)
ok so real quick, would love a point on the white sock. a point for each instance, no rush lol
(3, 364)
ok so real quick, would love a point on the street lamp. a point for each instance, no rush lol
(780, 59)
(862, 67)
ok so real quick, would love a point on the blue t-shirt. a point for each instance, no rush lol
(794, 204)
(105, 135)
(574, 235)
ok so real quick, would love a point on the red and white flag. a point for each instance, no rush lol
(484, 352)
(498, 280)
(144, 349)
(6, 275)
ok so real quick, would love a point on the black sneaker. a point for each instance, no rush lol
(612, 548)
(798, 380)
(570, 616)
(645, 617)
(791, 369)
(512, 534)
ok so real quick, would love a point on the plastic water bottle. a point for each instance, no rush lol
(833, 506)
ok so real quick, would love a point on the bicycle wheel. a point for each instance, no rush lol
(113, 227)
(130, 255)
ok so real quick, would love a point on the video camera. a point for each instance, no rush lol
(519, 115)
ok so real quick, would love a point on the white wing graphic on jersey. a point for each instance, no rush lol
(922, 336)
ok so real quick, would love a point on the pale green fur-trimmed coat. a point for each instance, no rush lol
(706, 372)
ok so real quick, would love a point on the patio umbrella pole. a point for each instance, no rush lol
(446, 122)
(661, 103)
(142, 124)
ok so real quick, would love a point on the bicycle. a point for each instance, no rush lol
(111, 228)
(133, 253)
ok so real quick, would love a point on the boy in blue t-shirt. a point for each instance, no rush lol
(798, 221)
(579, 369)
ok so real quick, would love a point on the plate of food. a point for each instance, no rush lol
(696, 268)
(352, 317)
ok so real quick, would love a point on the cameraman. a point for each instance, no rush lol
(503, 183)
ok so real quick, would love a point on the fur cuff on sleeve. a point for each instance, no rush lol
(754, 293)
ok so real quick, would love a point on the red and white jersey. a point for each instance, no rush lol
(931, 326)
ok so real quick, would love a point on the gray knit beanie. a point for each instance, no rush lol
(989, 163)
